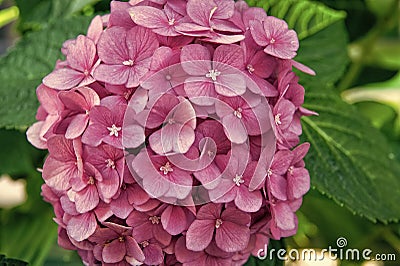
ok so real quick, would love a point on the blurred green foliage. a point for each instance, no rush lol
(353, 45)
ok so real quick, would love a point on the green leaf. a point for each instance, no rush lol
(35, 14)
(23, 68)
(16, 154)
(11, 262)
(304, 16)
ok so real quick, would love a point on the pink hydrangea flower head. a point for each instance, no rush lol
(273, 34)
(173, 134)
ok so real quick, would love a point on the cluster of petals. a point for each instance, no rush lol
(173, 130)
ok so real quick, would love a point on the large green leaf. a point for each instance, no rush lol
(35, 14)
(349, 160)
(23, 68)
(304, 16)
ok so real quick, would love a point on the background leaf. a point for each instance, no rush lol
(22, 70)
(304, 16)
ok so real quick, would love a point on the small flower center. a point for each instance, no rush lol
(168, 77)
(250, 68)
(272, 41)
(145, 244)
(114, 130)
(278, 119)
(238, 180)
(110, 163)
(166, 168)
(86, 112)
(290, 170)
(128, 62)
(121, 239)
(86, 72)
(218, 223)
(211, 153)
(269, 172)
(171, 121)
(91, 180)
(238, 113)
(154, 219)
(171, 21)
(213, 74)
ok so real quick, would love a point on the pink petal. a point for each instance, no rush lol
(153, 255)
(200, 234)
(34, 137)
(133, 250)
(114, 252)
(196, 59)
(57, 174)
(94, 134)
(258, 32)
(95, 29)
(148, 17)
(200, 90)
(209, 212)
(141, 43)
(113, 74)
(81, 54)
(200, 11)
(63, 79)
(278, 187)
(248, 201)
(112, 48)
(234, 129)
(77, 126)
(82, 226)
(87, 199)
(299, 182)
(231, 237)
(231, 55)
(284, 216)
(173, 220)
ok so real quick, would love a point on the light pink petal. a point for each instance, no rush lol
(34, 137)
(234, 129)
(200, 234)
(57, 174)
(284, 216)
(82, 226)
(258, 33)
(112, 48)
(141, 43)
(231, 237)
(114, 252)
(94, 135)
(148, 17)
(231, 55)
(133, 136)
(208, 176)
(200, 11)
(113, 74)
(224, 39)
(95, 29)
(77, 126)
(200, 90)
(225, 9)
(281, 162)
(196, 59)
(303, 68)
(231, 85)
(248, 201)
(48, 99)
(173, 220)
(81, 54)
(63, 79)
(87, 199)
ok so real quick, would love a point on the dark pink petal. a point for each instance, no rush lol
(153, 255)
(281, 162)
(63, 79)
(141, 43)
(200, 90)
(112, 48)
(173, 220)
(114, 252)
(231, 55)
(94, 134)
(298, 182)
(300, 152)
(161, 235)
(82, 226)
(225, 9)
(278, 185)
(200, 234)
(209, 212)
(200, 11)
(133, 250)
(231, 237)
